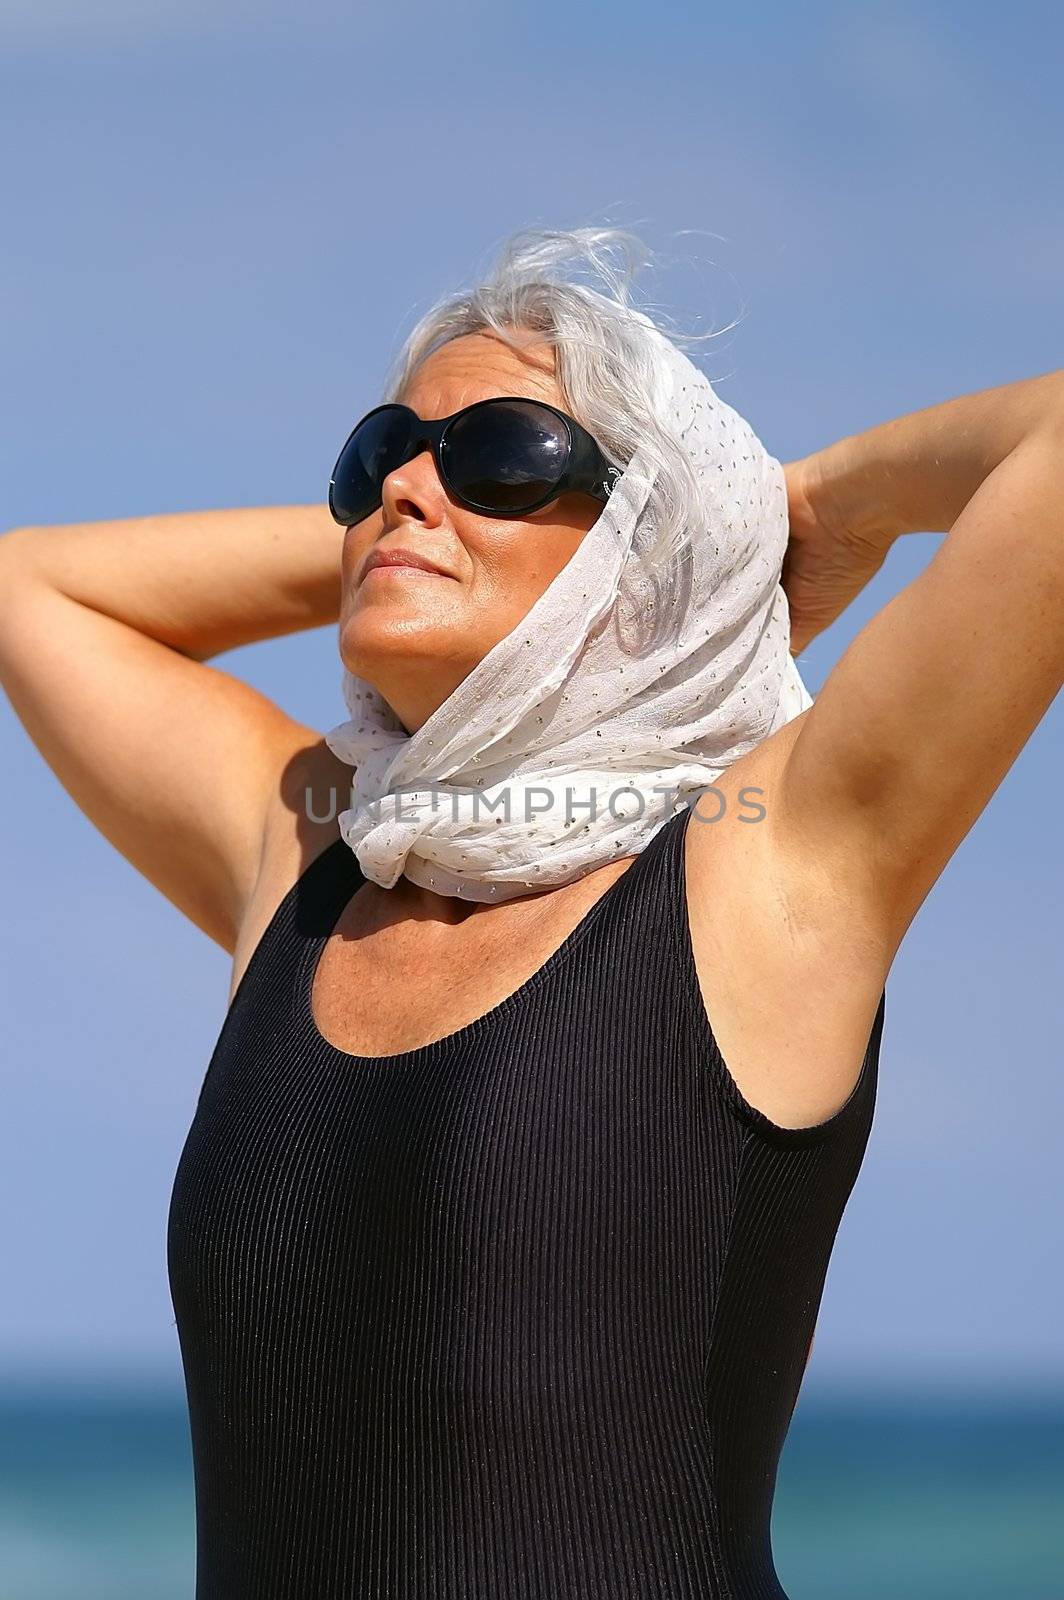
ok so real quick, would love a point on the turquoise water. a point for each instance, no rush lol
(874, 1499)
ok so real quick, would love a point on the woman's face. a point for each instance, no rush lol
(416, 635)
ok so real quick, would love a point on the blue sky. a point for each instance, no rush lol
(220, 221)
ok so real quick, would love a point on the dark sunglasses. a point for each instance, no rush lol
(505, 456)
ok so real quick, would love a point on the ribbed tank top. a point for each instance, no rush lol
(520, 1314)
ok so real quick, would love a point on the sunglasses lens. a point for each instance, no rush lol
(506, 456)
(377, 446)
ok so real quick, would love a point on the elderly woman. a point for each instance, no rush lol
(500, 1232)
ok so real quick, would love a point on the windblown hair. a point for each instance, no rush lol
(606, 363)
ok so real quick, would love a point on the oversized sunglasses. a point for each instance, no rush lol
(506, 456)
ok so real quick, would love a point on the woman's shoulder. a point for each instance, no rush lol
(789, 950)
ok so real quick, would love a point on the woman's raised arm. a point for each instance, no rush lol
(105, 629)
(920, 720)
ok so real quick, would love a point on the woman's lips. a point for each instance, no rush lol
(398, 559)
(395, 570)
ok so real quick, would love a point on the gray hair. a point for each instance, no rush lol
(607, 367)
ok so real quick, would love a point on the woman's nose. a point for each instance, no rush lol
(414, 491)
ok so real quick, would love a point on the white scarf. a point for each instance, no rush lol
(563, 749)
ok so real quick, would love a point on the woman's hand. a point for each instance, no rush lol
(828, 559)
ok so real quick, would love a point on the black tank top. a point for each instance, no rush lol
(521, 1314)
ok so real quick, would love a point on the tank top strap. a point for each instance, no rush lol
(303, 918)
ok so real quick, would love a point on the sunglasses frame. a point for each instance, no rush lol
(587, 470)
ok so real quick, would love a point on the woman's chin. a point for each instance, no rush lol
(372, 641)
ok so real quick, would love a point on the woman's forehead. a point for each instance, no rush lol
(477, 366)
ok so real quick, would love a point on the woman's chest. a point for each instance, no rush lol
(788, 982)
(380, 986)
